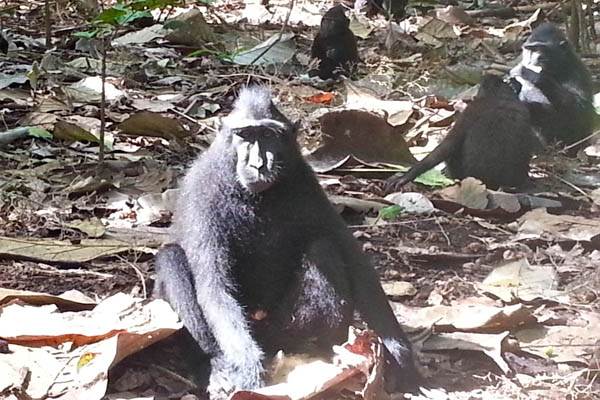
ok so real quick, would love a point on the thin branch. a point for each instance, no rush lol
(285, 24)
(577, 143)
(48, 24)
(103, 103)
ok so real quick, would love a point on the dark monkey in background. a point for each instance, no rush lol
(335, 45)
(492, 140)
(556, 86)
(385, 7)
(256, 235)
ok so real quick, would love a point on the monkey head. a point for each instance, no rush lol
(334, 22)
(547, 51)
(262, 140)
(260, 154)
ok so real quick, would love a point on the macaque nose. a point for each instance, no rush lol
(255, 159)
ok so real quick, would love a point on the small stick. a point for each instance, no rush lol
(285, 23)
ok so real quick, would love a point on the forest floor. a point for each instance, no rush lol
(499, 292)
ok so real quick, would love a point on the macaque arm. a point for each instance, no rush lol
(175, 281)
(369, 299)
(215, 293)
(317, 50)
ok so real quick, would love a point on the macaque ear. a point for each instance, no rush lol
(221, 128)
(295, 128)
(218, 124)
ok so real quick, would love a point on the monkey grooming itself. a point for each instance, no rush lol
(334, 45)
(262, 262)
(492, 140)
(556, 86)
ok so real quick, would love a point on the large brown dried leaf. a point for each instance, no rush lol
(539, 223)
(62, 250)
(67, 355)
(190, 29)
(152, 124)
(365, 136)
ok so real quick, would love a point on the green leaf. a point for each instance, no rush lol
(88, 34)
(390, 212)
(220, 55)
(112, 15)
(434, 178)
(8, 11)
(227, 57)
(153, 4)
(38, 132)
(201, 51)
(34, 74)
(143, 4)
(133, 16)
(94, 34)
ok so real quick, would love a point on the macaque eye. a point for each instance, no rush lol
(247, 132)
(270, 132)
(534, 48)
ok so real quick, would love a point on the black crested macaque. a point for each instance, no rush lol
(492, 140)
(385, 7)
(556, 86)
(335, 45)
(261, 260)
